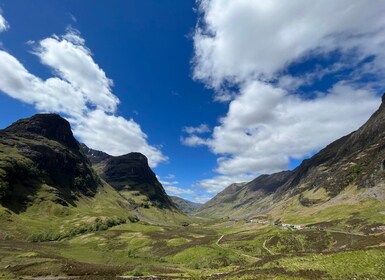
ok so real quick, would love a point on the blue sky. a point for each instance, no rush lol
(213, 92)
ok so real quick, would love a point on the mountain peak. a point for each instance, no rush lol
(51, 126)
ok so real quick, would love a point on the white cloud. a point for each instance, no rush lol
(202, 128)
(218, 183)
(53, 94)
(81, 90)
(242, 40)
(243, 50)
(171, 187)
(72, 62)
(115, 135)
(172, 190)
(3, 23)
(265, 125)
(193, 141)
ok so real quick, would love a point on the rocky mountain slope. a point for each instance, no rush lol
(49, 187)
(347, 177)
(130, 174)
(184, 205)
(38, 151)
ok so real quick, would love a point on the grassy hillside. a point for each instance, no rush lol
(58, 218)
(342, 186)
(202, 250)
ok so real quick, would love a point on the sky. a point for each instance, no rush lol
(212, 91)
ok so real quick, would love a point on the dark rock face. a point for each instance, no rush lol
(50, 126)
(130, 172)
(42, 150)
(356, 159)
(93, 155)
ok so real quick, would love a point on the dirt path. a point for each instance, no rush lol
(267, 249)
(241, 254)
(345, 232)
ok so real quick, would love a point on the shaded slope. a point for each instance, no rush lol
(130, 173)
(41, 150)
(49, 190)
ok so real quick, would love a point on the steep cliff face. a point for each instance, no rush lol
(130, 173)
(38, 151)
(349, 171)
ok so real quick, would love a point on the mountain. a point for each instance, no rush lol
(41, 151)
(130, 174)
(344, 181)
(50, 189)
(184, 205)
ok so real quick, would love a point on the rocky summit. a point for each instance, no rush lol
(130, 173)
(41, 150)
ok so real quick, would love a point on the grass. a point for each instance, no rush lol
(177, 241)
(368, 264)
(205, 257)
(91, 238)
(141, 249)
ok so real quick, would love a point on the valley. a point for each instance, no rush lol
(205, 249)
(70, 212)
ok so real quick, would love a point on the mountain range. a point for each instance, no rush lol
(47, 177)
(44, 168)
(69, 210)
(344, 181)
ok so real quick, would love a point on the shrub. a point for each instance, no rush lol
(98, 225)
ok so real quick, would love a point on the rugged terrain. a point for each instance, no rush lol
(130, 174)
(343, 184)
(70, 212)
(49, 189)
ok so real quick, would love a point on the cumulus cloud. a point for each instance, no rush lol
(241, 40)
(217, 183)
(265, 126)
(171, 187)
(79, 89)
(247, 50)
(3, 23)
(115, 135)
(72, 62)
(193, 141)
(172, 190)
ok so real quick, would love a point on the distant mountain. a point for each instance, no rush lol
(344, 181)
(131, 174)
(185, 205)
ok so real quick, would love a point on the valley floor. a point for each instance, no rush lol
(204, 249)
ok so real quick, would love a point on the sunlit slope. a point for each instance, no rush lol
(343, 182)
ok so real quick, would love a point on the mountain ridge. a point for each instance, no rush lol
(129, 172)
(355, 161)
(186, 206)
